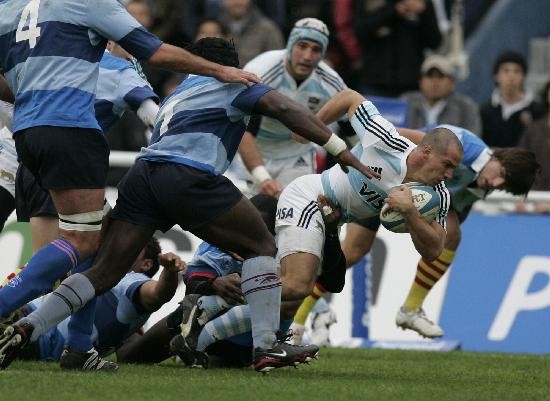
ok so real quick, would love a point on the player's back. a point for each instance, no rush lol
(201, 124)
(49, 54)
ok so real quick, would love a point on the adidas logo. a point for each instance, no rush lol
(300, 162)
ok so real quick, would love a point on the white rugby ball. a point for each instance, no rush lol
(426, 200)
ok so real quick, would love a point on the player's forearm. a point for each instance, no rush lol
(340, 104)
(163, 291)
(426, 239)
(176, 59)
(250, 153)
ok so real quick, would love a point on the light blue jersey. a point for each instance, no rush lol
(50, 52)
(117, 317)
(210, 261)
(462, 186)
(119, 87)
(273, 138)
(384, 151)
(201, 124)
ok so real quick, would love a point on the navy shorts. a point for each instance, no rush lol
(31, 200)
(64, 157)
(160, 194)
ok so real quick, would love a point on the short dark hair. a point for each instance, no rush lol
(521, 169)
(267, 205)
(510, 56)
(440, 139)
(152, 251)
(217, 50)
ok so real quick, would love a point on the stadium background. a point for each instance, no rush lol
(497, 295)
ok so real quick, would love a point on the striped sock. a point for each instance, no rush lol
(212, 305)
(308, 303)
(427, 274)
(235, 321)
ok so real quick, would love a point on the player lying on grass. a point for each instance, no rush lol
(121, 311)
(215, 300)
(196, 135)
(299, 224)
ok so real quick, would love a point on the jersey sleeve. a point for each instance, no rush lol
(134, 89)
(372, 129)
(444, 204)
(111, 20)
(130, 284)
(246, 99)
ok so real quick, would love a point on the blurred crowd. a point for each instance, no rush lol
(381, 48)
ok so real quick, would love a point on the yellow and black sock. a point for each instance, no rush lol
(427, 274)
(308, 303)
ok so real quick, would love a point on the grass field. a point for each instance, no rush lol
(338, 374)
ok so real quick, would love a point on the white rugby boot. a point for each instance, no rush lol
(417, 320)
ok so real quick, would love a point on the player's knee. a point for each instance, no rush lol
(353, 254)
(295, 290)
(262, 247)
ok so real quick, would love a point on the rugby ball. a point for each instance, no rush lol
(426, 200)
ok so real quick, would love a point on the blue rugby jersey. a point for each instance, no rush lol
(117, 317)
(210, 261)
(462, 186)
(119, 87)
(50, 52)
(201, 124)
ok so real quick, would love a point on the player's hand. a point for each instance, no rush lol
(331, 213)
(172, 262)
(270, 187)
(299, 138)
(346, 158)
(229, 288)
(400, 200)
(237, 76)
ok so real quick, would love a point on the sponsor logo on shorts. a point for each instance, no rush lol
(285, 213)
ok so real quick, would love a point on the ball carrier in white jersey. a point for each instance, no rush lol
(299, 224)
(269, 150)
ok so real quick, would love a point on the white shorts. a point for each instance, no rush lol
(299, 225)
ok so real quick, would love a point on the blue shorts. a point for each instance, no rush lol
(160, 194)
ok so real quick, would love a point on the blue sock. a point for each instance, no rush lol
(80, 327)
(48, 265)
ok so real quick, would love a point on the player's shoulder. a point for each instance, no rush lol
(267, 63)
(110, 62)
(329, 78)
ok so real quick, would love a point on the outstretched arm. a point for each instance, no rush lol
(176, 59)
(301, 121)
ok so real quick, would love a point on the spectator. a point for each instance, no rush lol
(210, 28)
(536, 138)
(506, 115)
(252, 31)
(394, 34)
(437, 102)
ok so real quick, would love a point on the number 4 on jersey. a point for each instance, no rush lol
(30, 13)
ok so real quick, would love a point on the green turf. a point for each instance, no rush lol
(338, 374)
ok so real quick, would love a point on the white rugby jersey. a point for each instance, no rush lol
(384, 151)
(273, 138)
